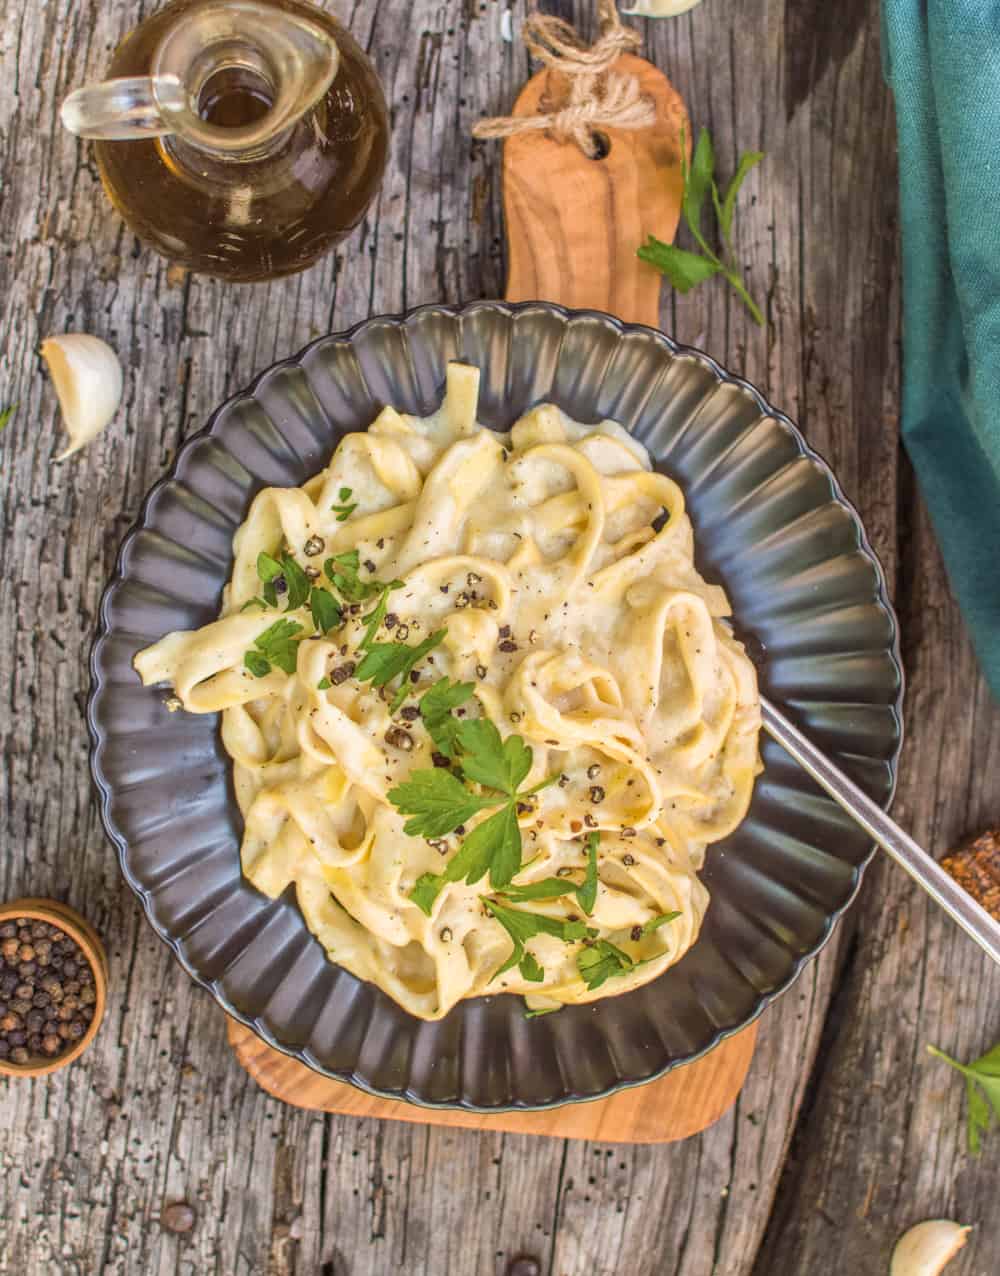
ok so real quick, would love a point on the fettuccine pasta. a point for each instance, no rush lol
(542, 581)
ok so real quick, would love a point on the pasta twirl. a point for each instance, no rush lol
(552, 570)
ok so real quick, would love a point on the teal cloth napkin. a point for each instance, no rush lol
(942, 61)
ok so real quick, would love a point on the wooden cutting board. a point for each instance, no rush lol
(573, 226)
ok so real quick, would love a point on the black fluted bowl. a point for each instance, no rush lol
(772, 526)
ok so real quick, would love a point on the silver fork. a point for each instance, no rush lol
(923, 868)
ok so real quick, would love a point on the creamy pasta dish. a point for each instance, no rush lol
(483, 711)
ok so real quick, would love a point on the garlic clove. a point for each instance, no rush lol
(927, 1248)
(661, 8)
(88, 381)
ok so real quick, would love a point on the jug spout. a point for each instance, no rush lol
(280, 60)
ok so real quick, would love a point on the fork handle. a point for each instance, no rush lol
(956, 902)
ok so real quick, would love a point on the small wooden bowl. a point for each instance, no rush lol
(72, 924)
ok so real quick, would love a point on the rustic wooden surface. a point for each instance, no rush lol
(846, 1132)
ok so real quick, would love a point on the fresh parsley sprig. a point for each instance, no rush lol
(522, 926)
(342, 572)
(296, 582)
(6, 414)
(277, 645)
(982, 1088)
(686, 269)
(326, 611)
(436, 707)
(554, 887)
(343, 511)
(603, 960)
(438, 803)
(384, 661)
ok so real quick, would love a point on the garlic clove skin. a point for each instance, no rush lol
(925, 1250)
(661, 8)
(88, 381)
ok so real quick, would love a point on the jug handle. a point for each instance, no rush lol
(125, 109)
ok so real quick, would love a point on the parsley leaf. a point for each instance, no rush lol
(324, 684)
(685, 269)
(435, 711)
(253, 602)
(342, 572)
(270, 570)
(655, 923)
(547, 888)
(426, 890)
(490, 760)
(6, 414)
(437, 802)
(492, 846)
(522, 926)
(982, 1084)
(258, 665)
(277, 645)
(587, 894)
(297, 582)
(600, 961)
(325, 609)
(343, 511)
(545, 1010)
(374, 619)
(554, 887)
(387, 660)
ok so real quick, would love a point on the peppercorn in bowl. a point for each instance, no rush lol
(53, 986)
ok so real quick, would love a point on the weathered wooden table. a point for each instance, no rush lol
(846, 1131)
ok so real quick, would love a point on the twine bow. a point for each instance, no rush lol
(596, 94)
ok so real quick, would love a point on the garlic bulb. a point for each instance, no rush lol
(927, 1248)
(88, 381)
(661, 8)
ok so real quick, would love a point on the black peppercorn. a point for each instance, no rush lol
(399, 739)
(47, 991)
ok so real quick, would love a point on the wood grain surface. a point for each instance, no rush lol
(677, 1106)
(846, 1131)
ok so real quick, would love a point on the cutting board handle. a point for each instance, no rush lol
(574, 224)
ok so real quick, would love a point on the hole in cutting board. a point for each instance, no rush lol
(602, 145)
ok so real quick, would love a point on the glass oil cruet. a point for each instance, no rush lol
(240, 138)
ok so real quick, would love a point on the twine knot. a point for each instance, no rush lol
(592, 94)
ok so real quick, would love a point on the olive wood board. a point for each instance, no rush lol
(682, 1103)
(573, 226)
